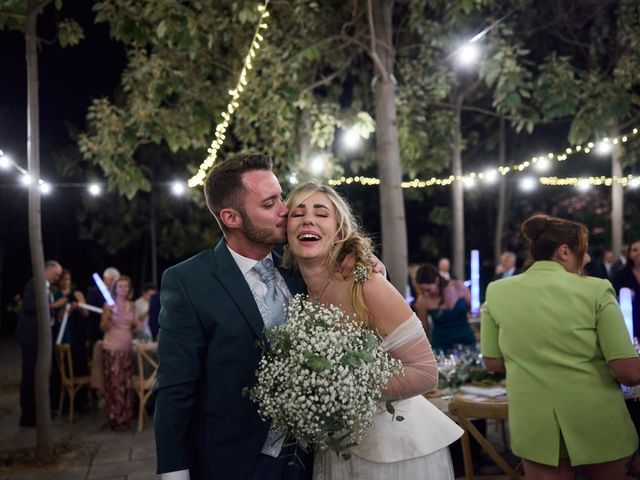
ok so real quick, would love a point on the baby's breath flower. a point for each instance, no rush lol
(322, 376)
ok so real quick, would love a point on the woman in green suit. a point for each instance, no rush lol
(561, 338)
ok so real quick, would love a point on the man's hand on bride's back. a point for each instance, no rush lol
(349, 265)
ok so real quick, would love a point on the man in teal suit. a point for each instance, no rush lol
(213, 311)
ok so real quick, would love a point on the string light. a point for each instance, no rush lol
(632, 181)
(540, 162)
(227, 113)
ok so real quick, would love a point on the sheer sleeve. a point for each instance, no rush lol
(408, 343)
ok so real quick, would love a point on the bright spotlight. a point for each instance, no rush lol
(45, 187)
(490, 176)
(543, 164)
(469, 183)
(527, 184)
(604, 148)
(177, 188)
(94, 189)
(467, 55)
(5, 161)
(317, 165)
(583, 185)
(26, 179)
(293, 178)
(351, 138)
(635, 183)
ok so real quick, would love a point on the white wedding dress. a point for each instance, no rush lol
(416, 448)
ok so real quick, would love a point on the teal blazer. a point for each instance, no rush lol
(209, 324)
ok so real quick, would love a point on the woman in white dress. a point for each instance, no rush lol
(322, 231)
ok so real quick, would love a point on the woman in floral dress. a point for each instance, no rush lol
(117, 323)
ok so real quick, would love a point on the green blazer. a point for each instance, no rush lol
(556, 331)
(209, 324)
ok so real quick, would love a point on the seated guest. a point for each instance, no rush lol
(445, 302)
(507, 266)
(561, 338)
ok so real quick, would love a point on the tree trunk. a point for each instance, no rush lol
(392, 213)
(3, 311)
(153, 239)
(304, 138)
(617, 199)
(457, 193)
(44, 442)
(502, 196)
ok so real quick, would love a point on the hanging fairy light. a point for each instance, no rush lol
(227, 113)
(540, 163)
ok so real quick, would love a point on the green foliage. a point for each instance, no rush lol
(69, 33)
(557, 87)
(505, 71)
(13, 14)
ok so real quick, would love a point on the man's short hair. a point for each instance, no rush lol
(111, 272)
(509, 254)
(51, 264)
(223, 187)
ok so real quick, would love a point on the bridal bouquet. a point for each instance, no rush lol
(320, 377)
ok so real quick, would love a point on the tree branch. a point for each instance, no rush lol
(374, 53)
(327, 79)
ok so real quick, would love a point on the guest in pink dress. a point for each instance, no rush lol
(117, 323)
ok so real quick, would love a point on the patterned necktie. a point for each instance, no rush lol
(274, 299)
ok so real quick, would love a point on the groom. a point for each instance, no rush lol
(214, 307)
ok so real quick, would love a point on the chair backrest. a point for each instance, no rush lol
(65, 362)
(147, 364)
(465, 410)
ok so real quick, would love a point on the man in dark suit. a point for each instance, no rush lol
(27, 336)
(154, 314)
(213, 311)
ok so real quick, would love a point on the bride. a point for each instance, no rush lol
(321, 232)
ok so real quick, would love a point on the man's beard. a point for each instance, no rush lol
(262, 235)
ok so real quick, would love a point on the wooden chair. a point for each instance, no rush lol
(143, 381)
(69, 382)
(464, 410)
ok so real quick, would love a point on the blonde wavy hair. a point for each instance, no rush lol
(350, 239)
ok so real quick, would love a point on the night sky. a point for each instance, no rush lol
(69, 78)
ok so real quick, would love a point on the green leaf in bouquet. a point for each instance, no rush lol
(351, 359)
(366, 356)
(390, 408)
(316, 363)
(400, 418)
(371, 340)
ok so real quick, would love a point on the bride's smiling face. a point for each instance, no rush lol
(312, 227)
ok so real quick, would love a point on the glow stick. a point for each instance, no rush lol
(104, 290)
(90, 307)
(63, 325)
(475, 283)
(627, 310)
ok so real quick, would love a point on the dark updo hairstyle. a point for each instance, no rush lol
(545, 234)
(428, 273)
(630, 263)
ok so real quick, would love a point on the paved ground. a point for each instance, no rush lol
(90, 450)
